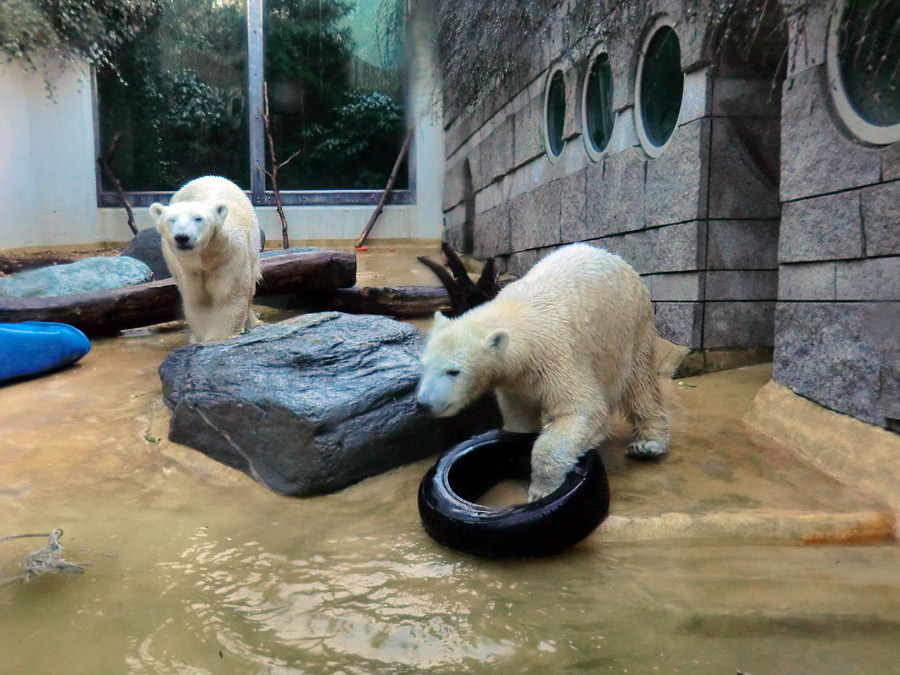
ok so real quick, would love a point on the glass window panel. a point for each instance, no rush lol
(599, 103)
(556, 113)
(662, 86)
(870, 59)
(177, 94)
(335, 75)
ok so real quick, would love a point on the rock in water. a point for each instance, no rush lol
(312, 404)
(83, 276)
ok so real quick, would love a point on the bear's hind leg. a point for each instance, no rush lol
(645, 411)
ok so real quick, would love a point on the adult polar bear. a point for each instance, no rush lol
(564, 347)
(210, 240)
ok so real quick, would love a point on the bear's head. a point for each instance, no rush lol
(460, 363)
(188, 226)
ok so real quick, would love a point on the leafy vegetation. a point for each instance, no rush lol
(348, 136)
(73, 30)
(178, 91)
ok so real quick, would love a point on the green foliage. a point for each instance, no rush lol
(74, 30)
(178, 93)
(348, 138)
(177, 124)
(365, 127)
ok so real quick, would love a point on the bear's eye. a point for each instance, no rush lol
(198, 219)
(452, 372)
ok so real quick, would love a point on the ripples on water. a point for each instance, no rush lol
(383, 606)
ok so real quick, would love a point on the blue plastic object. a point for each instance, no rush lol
(34, 347)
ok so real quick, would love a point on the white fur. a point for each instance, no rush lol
(210, 240)
(563, 347)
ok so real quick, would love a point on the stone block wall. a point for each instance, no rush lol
(699, 222)
(765, 222)
(838, 312)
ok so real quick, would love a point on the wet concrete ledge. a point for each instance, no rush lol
(857, 454)
(784, 527)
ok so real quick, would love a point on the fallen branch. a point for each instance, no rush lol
(109, 312)
(104, 161)
(387, 189)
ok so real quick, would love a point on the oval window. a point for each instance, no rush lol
(659, 88)
(555, 113)
(864, 67)
(598, 105)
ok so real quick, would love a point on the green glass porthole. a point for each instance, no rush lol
(598, 104)
(660, 88)
(555, 113)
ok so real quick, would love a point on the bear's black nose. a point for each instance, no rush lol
(181, 239)
(423, 406)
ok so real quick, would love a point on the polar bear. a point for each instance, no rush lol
(563, 348)
(210, 240)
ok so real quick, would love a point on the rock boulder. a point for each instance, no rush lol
(89, 275)
(312, 404)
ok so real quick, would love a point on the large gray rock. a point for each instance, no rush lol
(309, 405)
(89, 275)
(147, 247)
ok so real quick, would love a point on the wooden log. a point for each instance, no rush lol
(108, 312)
(307, 271)
(398, 301)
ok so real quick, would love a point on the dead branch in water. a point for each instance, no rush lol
(49, 558)
(104, 161)
(388, 188)
(276, 165)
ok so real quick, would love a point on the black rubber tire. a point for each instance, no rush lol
(549, 525)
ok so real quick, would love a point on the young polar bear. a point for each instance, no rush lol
(210, 240)
(563, 347)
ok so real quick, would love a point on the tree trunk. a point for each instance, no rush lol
(108, 312)
(398, 301)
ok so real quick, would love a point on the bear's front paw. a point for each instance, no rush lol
(539, 490)
(647, 449)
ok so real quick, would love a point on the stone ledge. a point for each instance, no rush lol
(855, 453)
(702, 361)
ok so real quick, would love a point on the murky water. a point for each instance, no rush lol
(214, 574)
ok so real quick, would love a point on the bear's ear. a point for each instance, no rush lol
(220, 210)
(439, 319)
(497, 340)
(156, 210)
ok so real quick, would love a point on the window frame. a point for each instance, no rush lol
(258, 194)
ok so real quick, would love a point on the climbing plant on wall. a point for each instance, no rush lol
(485, 45)
(73, 30)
